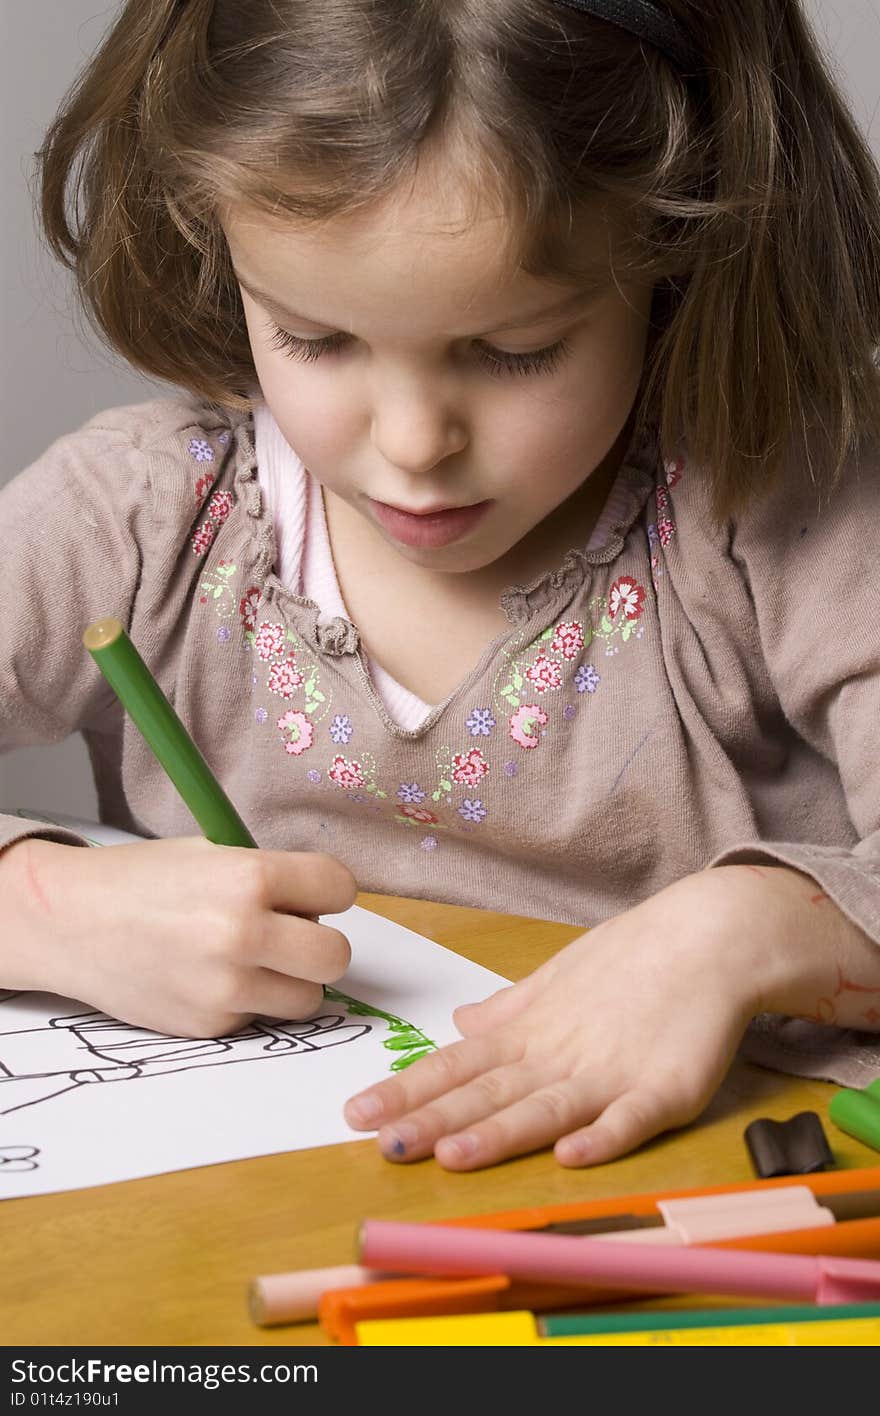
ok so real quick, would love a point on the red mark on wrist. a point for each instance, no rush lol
(32, 880)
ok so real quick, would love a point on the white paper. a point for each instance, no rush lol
(86, 1100)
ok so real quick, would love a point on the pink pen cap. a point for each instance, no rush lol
(554, 1258)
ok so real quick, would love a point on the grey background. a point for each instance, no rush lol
(55, 374)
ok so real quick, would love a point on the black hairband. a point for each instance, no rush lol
(648, 22)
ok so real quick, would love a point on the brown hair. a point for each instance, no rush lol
(752, 198)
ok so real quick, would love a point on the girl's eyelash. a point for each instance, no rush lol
(497, 361)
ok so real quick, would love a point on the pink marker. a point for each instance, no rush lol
(558, 1258)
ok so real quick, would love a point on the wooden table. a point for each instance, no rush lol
(167, 1260)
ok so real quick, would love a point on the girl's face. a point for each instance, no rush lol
(415, 380)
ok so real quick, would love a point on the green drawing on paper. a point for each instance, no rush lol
(406, 1039)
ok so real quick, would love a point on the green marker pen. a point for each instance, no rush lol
(663, 1319)
(174, 749)
(857, 1111)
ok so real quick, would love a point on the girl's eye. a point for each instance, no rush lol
(498, 362)
(306, 350)
(537, 361)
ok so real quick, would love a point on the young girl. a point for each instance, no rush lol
(511, 544)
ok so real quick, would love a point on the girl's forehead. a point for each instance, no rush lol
(428, 244)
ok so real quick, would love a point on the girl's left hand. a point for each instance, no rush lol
(626, 1032)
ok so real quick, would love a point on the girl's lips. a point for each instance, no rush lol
(436, 528)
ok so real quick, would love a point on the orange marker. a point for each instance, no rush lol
(340, 1310)
(294, 1297)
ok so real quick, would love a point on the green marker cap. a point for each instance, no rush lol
(858, 1112)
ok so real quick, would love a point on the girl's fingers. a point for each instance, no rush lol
(430, 1077)
(298, 882)
(302, 949)
(415, 1135)
(529, 1124)
(628, 1121)
(505, 1005)
(502, 1007)
(274, 995)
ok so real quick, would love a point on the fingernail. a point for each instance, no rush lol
(397, 1143)
(571, 1151)
(463, 1147)
(367, 1109)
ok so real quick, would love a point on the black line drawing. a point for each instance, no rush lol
(77, 1049)
(39, 1063)
(17, 1158)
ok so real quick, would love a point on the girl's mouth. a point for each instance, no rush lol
(430, 528)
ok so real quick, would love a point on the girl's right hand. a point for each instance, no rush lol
(181, 936)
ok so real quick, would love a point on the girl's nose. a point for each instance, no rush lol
(416, 430)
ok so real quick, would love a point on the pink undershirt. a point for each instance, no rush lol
(304, 560)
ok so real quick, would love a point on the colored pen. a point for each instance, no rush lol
(820, 1327)
(704, 1219)
(295, 1296)
(558, 1258)
(576, 1324)
(340, 1310)
(174, 749)
(858, 1112)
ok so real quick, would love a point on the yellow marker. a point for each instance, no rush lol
(454, 1330)
(520, 1330)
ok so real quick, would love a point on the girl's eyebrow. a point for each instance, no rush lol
(587, 291)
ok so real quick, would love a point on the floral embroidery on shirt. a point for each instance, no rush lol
(480, 723)
(568, 638)
(627, 595)
(218, 589)
(544, 674)
(285, 678)
(203, 537)
(411, 792)
(291, 671)
(469, 767)
(665, 523)
(618, 616)
(220, 506)
(249, 606)
(661, 532)
(673, 471)
(269, 641)
(472, 810)
(203, 486)
(351, 774)
(586, 680)
(341, 729)
(297, 732)
(419, 814)
(218, 509)
(522, 724)
(557, 648)
(527, 699)
(201, 450)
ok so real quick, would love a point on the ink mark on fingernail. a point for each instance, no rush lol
(394, 1148)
